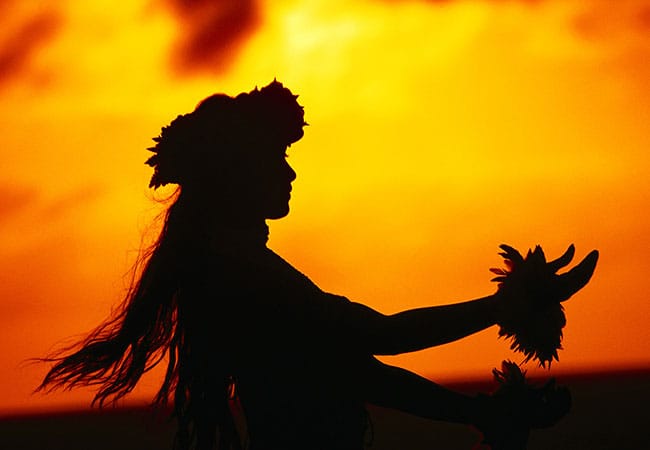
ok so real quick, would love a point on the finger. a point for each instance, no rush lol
(511, 253)
(576, 278)
(563, 260)
(537, 256)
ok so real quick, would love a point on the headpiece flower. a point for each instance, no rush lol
(221, 125)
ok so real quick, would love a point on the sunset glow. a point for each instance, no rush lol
(438, 130)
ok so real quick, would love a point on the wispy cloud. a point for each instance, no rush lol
(14, 199)
(79, 198)
(23, 37)
(611, 20)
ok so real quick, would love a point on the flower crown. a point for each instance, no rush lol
(220, 125)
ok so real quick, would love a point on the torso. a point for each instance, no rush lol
(296, 376)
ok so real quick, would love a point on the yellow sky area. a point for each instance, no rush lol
(437, 132)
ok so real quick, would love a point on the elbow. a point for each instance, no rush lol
(375, 333)
(383, 337)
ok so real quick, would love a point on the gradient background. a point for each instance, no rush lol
(438, 130)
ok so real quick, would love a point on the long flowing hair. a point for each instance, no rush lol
(163, 315)
(156, 322)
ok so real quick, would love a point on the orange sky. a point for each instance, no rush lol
(438, 130)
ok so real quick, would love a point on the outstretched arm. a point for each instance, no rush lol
(530, 286)
(402, 390)
(420, 328)
(504, 421)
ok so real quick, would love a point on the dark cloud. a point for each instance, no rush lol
(24, 40)
(212, 32)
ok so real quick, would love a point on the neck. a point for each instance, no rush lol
(239, 239)
(235, 213)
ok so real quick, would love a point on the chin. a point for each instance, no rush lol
(278, 213)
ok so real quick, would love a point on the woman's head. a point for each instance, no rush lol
(231, 150)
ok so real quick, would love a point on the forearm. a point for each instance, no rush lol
(399, 389)
(421, 328)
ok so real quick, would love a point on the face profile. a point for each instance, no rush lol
(275, 187)
(256, 186)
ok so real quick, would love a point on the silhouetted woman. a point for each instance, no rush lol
(232, 319)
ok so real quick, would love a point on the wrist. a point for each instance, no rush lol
(497, 306)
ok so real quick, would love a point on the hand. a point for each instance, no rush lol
(530, 295)
(506, 416)
(537, 277)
